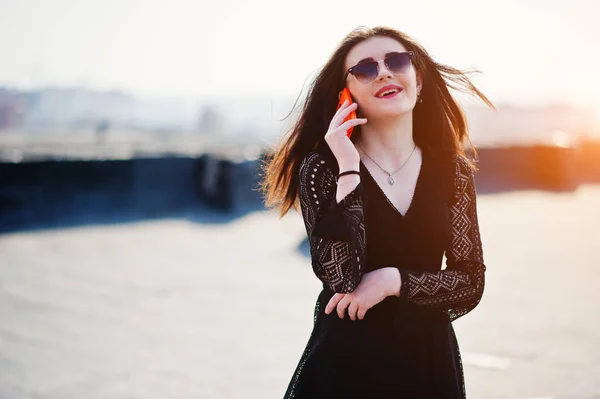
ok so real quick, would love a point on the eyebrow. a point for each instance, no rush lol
(372, 59)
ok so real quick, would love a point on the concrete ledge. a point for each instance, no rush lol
(52, 192)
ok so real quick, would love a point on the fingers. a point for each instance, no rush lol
(352, 122)
(352, 309)
(342, 305)
(342, 113)
(341, 302)
(346, 108)
(361, 314)
(333, 302)
(342, 107)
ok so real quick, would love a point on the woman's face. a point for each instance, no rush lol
(368, 95)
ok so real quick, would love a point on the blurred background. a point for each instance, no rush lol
(137, 259)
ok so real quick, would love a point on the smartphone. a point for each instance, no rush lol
(345, 95)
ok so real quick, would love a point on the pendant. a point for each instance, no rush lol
(390, 180)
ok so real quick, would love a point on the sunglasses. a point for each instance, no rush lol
(367, 72)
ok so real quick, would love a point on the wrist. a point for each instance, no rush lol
(347, 179)
(395, 282)
(346, 166)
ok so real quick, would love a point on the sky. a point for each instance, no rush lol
(528, 52)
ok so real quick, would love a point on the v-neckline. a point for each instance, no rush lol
(417, 184)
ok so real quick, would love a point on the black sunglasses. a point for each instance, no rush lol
(367, 72)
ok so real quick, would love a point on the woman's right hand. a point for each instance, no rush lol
(337, 139)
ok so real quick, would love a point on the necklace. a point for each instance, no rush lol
(390, 179)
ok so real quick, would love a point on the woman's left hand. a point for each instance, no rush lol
(373, 288)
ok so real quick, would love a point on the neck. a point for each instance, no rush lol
(388, 141)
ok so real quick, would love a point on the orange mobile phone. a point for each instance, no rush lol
(345, 95)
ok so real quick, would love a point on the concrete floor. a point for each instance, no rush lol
(179, 309)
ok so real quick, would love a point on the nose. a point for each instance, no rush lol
(382, 70)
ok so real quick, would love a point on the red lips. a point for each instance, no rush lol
(386, 88)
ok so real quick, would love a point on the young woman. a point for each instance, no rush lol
(381, 209)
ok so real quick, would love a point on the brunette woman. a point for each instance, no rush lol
(381, 209)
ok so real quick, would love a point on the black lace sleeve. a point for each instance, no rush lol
(458, 288)
(336, 231)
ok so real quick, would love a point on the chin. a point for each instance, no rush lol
(392, 108)
(391, 112)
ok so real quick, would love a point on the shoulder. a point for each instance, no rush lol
(316, 162)
(464, 174)
(462, 166)
(452, 167)
(316, 178)
(311, 159)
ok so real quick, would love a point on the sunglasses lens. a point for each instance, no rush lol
(398, 63)
(365, 72)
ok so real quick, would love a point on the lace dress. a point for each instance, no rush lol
(405, 346)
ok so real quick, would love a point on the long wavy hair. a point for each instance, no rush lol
(439, 123)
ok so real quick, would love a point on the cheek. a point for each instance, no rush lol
(363, 97)
(409, 82)
(366, 104)
(360, 94)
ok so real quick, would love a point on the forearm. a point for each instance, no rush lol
(394, 282)
(335, 228)
(444, 289)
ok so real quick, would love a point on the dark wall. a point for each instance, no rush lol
(55, 193)
(540, 167)
(518, 168)
(75, 192)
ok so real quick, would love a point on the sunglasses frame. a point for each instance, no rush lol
(350, 70)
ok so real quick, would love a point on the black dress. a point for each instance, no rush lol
(405, 346)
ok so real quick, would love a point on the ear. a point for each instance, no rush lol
(419, 76)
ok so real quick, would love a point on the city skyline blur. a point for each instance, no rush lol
(63, 112)
(530, 53)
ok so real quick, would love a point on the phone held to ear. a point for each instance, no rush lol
(345, 95)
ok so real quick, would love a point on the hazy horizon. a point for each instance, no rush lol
(183, 49)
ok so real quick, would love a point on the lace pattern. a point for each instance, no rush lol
(337, 249)
(458, 288)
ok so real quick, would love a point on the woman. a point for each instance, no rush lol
(381, 209)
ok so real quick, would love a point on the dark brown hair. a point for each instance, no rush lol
(439, 123)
